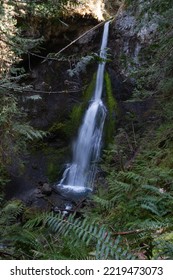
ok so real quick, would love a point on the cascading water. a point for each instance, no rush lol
(79, 175)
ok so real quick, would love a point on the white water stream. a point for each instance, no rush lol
(79, 175)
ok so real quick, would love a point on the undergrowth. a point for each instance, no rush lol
(55, 236)
(136, 198)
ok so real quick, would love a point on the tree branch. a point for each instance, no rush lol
(128, 232)
(42, 91)
(81, 36)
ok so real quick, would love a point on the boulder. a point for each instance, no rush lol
(46, 189)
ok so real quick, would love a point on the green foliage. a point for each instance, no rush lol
(88, 232)
(3, 177)
(15, 131)
(159, 6)
(140, 199)
(166, 86)
(49, 8)
(29, 132)
(57, 128)
(50, 236)
(13, 45)
(10, 217)
(164, 247)
(11, 212)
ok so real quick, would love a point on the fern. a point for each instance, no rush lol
(29, 132)
(11, 212)
(103, 203)
(132, 177)
(89, 233)
(117, 186)
(138, 199)
(163, 246)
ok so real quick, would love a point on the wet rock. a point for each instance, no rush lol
(141, 109)
(34, 165)
(130, 33)
(46, 189)
(40, 195)
(37, 193)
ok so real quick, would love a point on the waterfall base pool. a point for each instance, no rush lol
(73, 192)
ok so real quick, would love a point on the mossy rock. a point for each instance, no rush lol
(112, 107)
(54, 161)
(71, 126)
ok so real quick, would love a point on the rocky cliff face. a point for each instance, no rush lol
(132, 31)
(56, 87)
(58, 91)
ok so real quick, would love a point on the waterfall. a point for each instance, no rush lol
(79, 175)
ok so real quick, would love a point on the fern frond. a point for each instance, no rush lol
(155, 190)
(119, 186)
(33, 223)
(105, 204)
(12, 211)
(87, 232)
(28, 131)
(130, 177)
(152, 208)
(25, 237)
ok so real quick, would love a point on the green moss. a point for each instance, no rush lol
(87, 94)
(53, 156)
(57, 127)
(78, 110)
(112, 109)
(54, 160)
(74, 120)
(52, 170)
